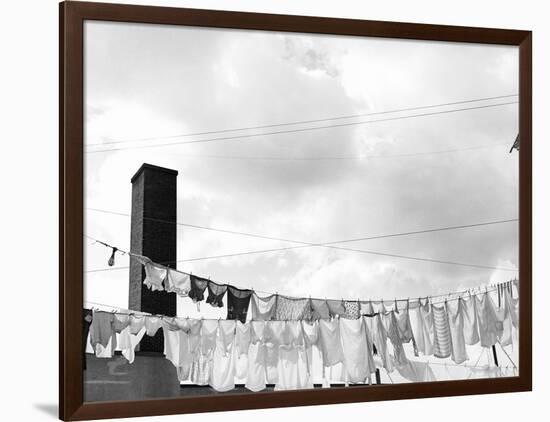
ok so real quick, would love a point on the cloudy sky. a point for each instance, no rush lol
(153, 82)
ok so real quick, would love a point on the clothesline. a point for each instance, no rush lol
(142, 260)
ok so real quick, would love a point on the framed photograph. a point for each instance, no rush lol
(265, 210)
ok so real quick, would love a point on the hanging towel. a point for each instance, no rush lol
(272, 338)
(223, 369)
(128, 343)
(319, 309)
(336, 307)
(171, 340)
(331, 347)
(442, 332)
(490, 328)
(137, 322)
(216, 292)
(120, 322)
(355, 351)
(202, 364)
(198, 286)
(422, 327)
(399, 355)
(380, 340)
(508, 316)
(102, 331)
(263, 308)
(237, 303)
(469, 312)
(405, 328)
(154, 276)
(86, 321)
(256, 377)
(242, 344)
(456, 325)
(371, 365)
(152, 324)
(292, 309)
(177, 282)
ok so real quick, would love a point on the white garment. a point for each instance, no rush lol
(471, 331)
(171, 341)
(263, 308)
(272, 338)
(490, 328)
(331, 346)
(354, 344)
(399, 355)
(242, 342)
(127, 343)
(508, 316)
(292, 369)
(154, 276)
(422, 336)
(256, 376)
(442, 332)
(152, 324)
(380, 340)
(456, 324)
(223, 368)
(203, 359)
(177, 282)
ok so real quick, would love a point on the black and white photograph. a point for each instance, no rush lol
(274, 211)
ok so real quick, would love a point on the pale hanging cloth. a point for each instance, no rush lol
(336, 307)
(311, 339)
(319, 309)
(154, 276)
(352, 309)
(263, 308)
(380, 340)
(152, 324)
(509, 319)
(456, 325)
(471, 331)
(102, 332)
(291, 309)
(242, 343)
(371, 365)
(355, 351)
(185, 357)
(202, 364)
(292, 365)
(177, 282)
(422, 327)
(331, 347)
(490, 328)
(399, 355)
(256, 376)
(442, 332)
(128, 342)
(171, 340)
(272, 339)
(223, 368)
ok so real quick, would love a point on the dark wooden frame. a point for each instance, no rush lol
(71, 20)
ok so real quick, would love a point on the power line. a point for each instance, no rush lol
(330, 245)
(342, 158)
(303, 121)
(254, 135)
(195, 226)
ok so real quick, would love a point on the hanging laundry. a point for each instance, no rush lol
(152, 324)
(336, 307)
(366, 308)
(242, 343)
(355, 351)
(293, 365)
(469, 313)
(508, 316)
(351, 309)
(490, 328)
(198, 286)
(120, 322)
(371, 366)
(380, 340)
(289, 309)
(86, 321)
(223, 368)
(178, 282)
(331, 347)
(201, 367)
(137, 322)
(256, 377)
(404, 324)
(170, 330)
(128, 342)
(216, 292)
(237, 303)
(154, 276)
(102, 332)
(319, 309)
(456, 325)
(399, 355)
(422, 327)
(263, 308)
(442, 332)
(272, 338)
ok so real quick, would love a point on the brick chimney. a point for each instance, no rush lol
(153, 234)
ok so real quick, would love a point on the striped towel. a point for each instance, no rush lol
(442, 332)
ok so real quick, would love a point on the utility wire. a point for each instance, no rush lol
(254, 135)
(358, 239)
(352, 116)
